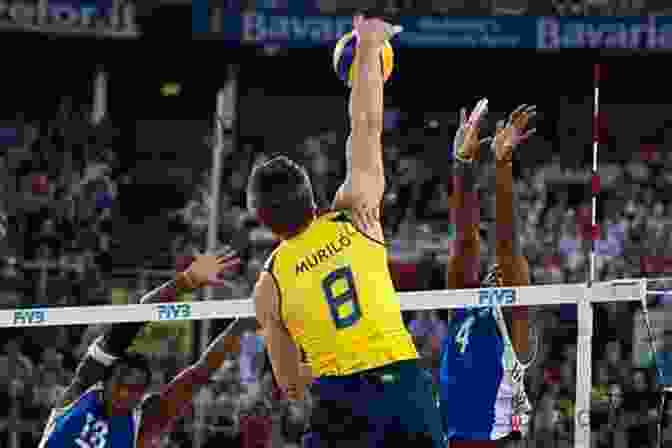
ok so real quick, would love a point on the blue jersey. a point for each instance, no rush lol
(83, 424)
(476, 380)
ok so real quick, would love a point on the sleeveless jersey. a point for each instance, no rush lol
(337, 298)
(480, 378)
(83, 424)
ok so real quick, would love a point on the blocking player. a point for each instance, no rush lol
(105, 406)
(483, 402)
(327, 291)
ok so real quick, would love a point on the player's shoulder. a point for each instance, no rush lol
(84, 400)
(269, 263)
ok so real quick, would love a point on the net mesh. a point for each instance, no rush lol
(610, 344)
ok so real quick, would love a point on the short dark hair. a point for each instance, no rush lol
(374, 13)
(135, 361)
(279, 193)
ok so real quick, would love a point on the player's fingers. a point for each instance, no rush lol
(516, 114)
(519, 109)
(523, 119)
(480, 110)
(474, 113)
(528, 134)
(530, 115)
(485, 107)
(229, 264)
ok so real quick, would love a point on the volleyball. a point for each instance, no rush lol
(344, 57)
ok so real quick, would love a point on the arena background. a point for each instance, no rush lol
(101, 208)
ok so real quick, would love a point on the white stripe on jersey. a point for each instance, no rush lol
(511, 399)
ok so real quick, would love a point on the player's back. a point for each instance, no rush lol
(337, 298)
(84, 424)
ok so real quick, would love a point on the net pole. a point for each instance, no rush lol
(225, 97)
(660, 376)
(585, 306)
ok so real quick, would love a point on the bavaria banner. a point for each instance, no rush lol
(103, 18)
(286, 28)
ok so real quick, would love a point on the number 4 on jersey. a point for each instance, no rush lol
(462, 336)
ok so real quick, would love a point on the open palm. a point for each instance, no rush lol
(467, 143)
(513, 132)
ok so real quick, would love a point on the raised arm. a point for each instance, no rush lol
(161, 410)
(463, 264)
(364, 185)
(512, 264)
(105, 350)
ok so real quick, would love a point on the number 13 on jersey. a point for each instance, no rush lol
(341, 294)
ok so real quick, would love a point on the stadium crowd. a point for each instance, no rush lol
(59, 206)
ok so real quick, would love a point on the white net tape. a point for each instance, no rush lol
(621, 290)
(556, 294)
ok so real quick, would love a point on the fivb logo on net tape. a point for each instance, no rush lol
(299, 23)
(496, 296)
(29, 317)
(174, 311)
(107, 18)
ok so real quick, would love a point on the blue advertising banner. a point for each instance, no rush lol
(93, 17)
(284, 27)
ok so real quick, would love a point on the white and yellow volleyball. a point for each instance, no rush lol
(344, 58)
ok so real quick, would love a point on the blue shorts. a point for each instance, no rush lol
(376, 408)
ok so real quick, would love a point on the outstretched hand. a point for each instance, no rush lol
(206, 269)
(467, 144)
(375, 32)
(513, 132)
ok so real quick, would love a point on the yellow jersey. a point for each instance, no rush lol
(337, 298)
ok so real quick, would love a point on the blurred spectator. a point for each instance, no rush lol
(613, 433)
(14, 365)
(641, 404)
(251, 357)
(63, 214)
(546, 416)
(428, 331)
(619, 367)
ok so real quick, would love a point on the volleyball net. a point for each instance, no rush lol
(579, 299)
(554, 294)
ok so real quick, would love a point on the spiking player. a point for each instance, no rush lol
(483, 402)
(105, 406)
(327, 291)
